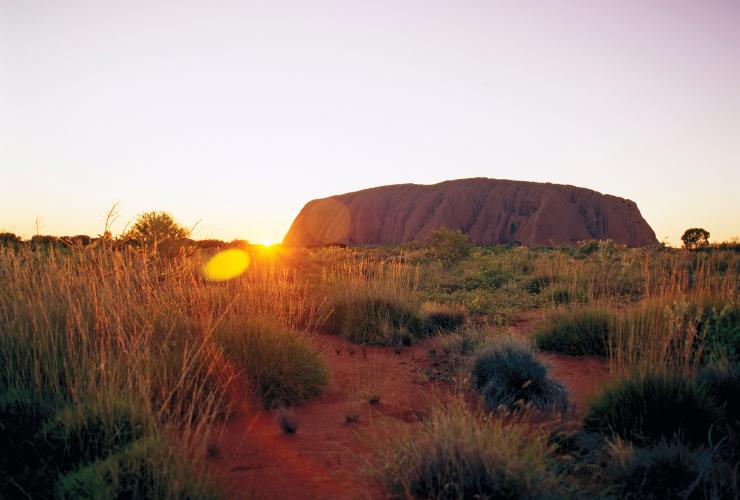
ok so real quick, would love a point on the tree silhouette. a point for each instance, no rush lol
(153, 227)
(695, 237)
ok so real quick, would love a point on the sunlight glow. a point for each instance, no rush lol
(226, 265)
(267, 243)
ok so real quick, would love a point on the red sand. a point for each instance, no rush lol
(322, 460)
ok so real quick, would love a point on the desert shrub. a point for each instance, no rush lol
(146, 469)
(647, 409)
(449, 246)
(9, 239)
(577, 332)
(442, 317)
(451, 354)
(374, 321)
(153, 227)
(22, 463)
(81, 433)
(280, 363)
(719, 327)
(509, 375)
(459, 454)
(491, 278)
(537, 284)
(722, 383)
(564, 295)
(667, 470)
(41, 240)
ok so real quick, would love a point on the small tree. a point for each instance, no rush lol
(695, 237)
(449, 245)
(154, 227)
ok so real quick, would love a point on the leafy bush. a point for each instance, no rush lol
(577, 332)
(667, 471)
(374, 321)
(280, 363)
(449, 246)
(647, 409)
(153, 227)
(146, 469)
(459, 454)
(508, 374)
(537, 284)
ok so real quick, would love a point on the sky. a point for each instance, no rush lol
(236, 113)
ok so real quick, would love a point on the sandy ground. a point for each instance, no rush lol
(323, 459)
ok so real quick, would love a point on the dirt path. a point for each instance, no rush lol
(257, 460)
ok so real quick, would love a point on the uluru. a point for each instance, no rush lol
(489, 211)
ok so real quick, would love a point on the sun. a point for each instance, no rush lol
(267, 243)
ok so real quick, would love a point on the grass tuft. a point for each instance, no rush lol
(576, 332)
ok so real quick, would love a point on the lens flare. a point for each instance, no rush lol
(226, 265)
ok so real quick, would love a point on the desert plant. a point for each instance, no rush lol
(576, 332)
(148, 468)
(509, 375)
(647, 409)
(9, 239)
(722, 383)
(280, 363)
(694, 238)
(439, 317)
(153, 227)
(449, 246)
(667, 470)
(374, 321)
(453, 353)
(462, 454)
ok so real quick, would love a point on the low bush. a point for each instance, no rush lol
(81, 433)
(281, 364)
(146, 469)
(577, 332)
(509, 375)
(22, 463)
(668, 470)
(564, 295)
(375, 321)
(439, 317)
(722, 383)
(648, 409)
(459, 454)
(451, 354)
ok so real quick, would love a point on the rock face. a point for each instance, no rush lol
(490, 211)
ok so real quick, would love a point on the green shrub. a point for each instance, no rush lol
(146, 469)
(647, 409)
(577, 332)
(509, 375)
(667, 471)
(449, 246)
(564, 295)
(22, 464)
(722, 383)
(537, 284)
(81, 433)
(281, 364)
(459, 454)
(375, 321)
(438, 317)
(719, 326)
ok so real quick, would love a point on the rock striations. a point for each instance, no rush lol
(490, 211)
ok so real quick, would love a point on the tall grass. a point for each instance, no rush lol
(88, 329)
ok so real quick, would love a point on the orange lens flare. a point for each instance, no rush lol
(226, 265)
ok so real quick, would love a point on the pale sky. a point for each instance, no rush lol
(236, 113)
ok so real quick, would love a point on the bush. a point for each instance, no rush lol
(648, 409)
(667, 471)
(537, 284)
(722, 383)
(146, 469)
(459, 454)
(564, 295)
(374, 321)
(82, 433)
(508, 374)
(451, 353)
(578, 332)
(280, 363)
(22, 463)
(9, 239)
(449, 246)
(442, 317)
